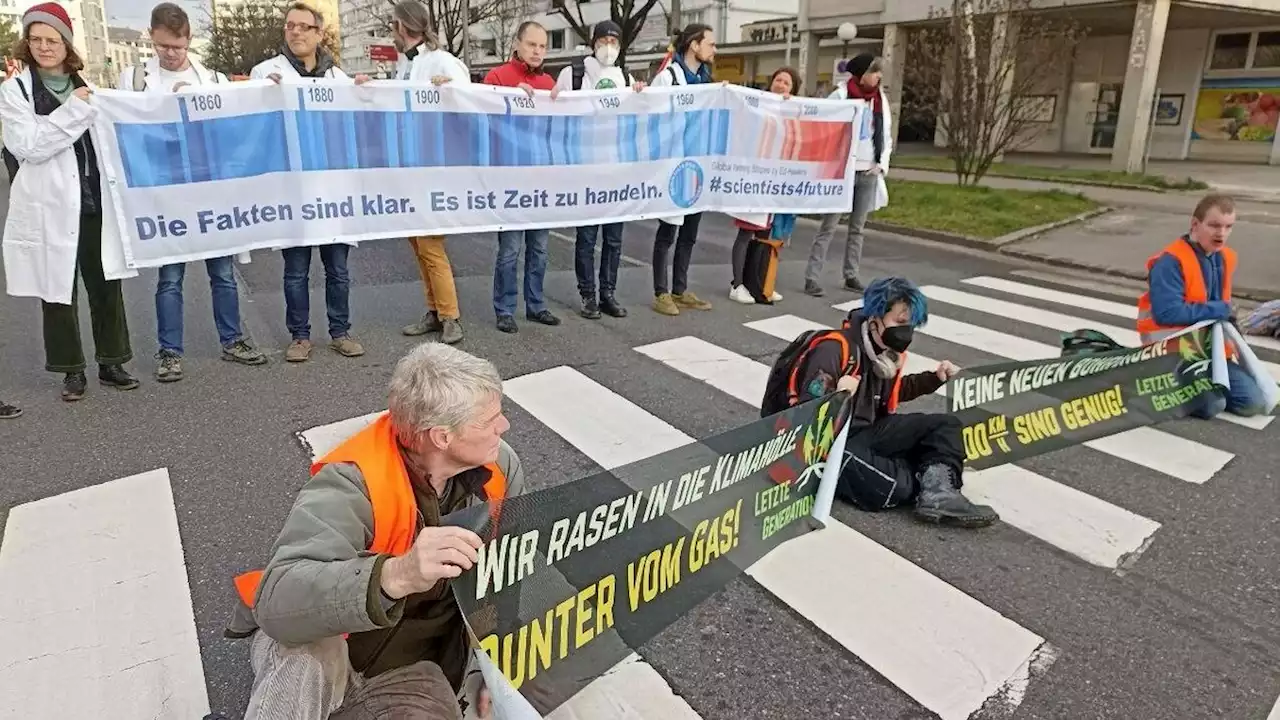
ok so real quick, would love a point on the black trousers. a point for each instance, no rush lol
(881, 459)
(683, 237)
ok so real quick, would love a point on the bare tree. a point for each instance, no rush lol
(504, 16)
(446, 18)
(988, 73)
(629, 14)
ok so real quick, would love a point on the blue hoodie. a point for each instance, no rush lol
(1168, 305)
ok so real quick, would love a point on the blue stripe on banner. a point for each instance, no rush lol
(516, 129)
(390, 132)
(349, 135)
(633, 139)
(306, 153)
(459, 146)
(480, 131)
(546, 139)
(555, 130)
(653, 123)
(438, 139)
(722, 148)
(578, 144)
(689, 138)
(493, 134)
(370, 138)
(408, 101)
(198, 159)
(333, 134)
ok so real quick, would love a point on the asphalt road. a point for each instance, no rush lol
(1191, 631)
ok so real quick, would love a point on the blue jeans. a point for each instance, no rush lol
(505, 283)
(1244, 397)
(610, 257)
(337, 289)
(226, 303)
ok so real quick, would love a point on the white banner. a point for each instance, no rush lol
(214, 171)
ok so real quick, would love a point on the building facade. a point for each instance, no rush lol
(1158, 79)
(88, 23)
(126, 47)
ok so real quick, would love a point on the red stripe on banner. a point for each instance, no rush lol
(766, 140)
(789, 142)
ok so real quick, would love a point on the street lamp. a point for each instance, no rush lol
(846, 32)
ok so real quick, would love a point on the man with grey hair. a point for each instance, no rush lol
(353, 615)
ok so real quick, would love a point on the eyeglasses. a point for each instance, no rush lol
(299, 27)
(160, 47)
(44, 42)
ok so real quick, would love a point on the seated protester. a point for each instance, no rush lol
(354, 616)
(890, 458)
(1189, 281)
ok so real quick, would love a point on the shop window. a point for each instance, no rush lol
(1230, 51)
(557, 39)
(1267, 53)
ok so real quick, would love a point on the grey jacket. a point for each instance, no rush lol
(322, 581)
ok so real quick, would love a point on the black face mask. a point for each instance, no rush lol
(897, 338)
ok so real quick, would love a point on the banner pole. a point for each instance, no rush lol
(1250, 362)
(826, 494)
(1219, 358)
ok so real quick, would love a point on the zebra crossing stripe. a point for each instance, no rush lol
(1088, 527)
(96, 607)
(948, 651)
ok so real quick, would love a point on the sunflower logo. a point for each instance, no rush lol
(1193, 348)
(818, 438)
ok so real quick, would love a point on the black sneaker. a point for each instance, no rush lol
(73, 386)
(115, 376)
(590, 310)
(853, 284)
(9, 412)
(507, 324)
(168, 366)
(544, 317)
(609, 306)
(814, 289)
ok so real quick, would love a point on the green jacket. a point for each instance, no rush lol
(322, 581)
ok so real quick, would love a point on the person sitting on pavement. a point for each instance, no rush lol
(353, 614)
(890, 458)
(1188, 282)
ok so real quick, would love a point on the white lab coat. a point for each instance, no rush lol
(42, 226)
(433, 63)
(672, 74)
(866, 148)
(280, 64)
(593, 72)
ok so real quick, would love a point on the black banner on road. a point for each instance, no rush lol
(575, 578)
(1016, 410)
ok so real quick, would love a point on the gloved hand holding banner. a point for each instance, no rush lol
(216, 170)
(1013, 411)
(574, 578)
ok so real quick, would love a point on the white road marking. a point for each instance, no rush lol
(947, 650)
(1085, 526)
(97, 610)
(1088, 302)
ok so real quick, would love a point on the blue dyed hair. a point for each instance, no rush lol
(883, 293)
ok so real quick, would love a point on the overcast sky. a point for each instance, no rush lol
(137, 13)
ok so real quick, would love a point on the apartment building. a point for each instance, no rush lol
(88, 22)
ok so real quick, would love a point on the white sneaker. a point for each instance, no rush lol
(775, 297)
(740, 294)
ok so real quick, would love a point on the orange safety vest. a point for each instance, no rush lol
(793, 392)
(1193, 289)
(395, 511)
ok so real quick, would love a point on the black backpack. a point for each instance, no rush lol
(1085, 342)
(579, 72)
(777, 389)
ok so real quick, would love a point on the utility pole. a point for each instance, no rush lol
(466, 33)
(673, 19)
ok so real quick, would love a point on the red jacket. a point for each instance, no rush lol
(514, 72)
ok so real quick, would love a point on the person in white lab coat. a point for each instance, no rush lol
(54, 225)
(303, 56)
(423, 60)
(169, 71)
(694, 51)
(875, 145)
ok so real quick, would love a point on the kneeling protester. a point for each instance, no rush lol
(890, 458)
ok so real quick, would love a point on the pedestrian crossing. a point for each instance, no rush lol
(949, 650)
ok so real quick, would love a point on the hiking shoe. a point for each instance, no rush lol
(814, 289)
(73, 386)
(507, 324)
(665, 304)
(428, 324)
(9, 412)
(451, 331)
(691, 301)
(346, 346)
(243, 353)
(115, 376)
(853, 284)
(940, 502)
(740, 294)
(543, 317)
(609, 306)
(298, 351)
(168, 366)
(590, 310)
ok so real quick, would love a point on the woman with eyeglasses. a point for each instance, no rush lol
(54, 227)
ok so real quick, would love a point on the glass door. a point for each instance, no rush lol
(1106, 116)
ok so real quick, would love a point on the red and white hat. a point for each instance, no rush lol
(50, 14)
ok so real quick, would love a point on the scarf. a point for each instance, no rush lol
(324, 62)
(872, 95)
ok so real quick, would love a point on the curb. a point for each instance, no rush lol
(1079, 182)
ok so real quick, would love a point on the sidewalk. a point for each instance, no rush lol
(1176, 202)
(1119, 242)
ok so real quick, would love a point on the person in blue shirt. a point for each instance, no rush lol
(1189, 281)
